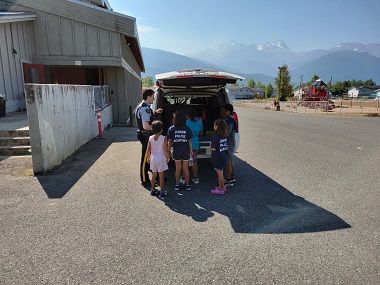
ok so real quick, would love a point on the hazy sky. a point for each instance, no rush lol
(182, 26)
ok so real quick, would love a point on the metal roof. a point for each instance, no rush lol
(100, 17)
(10, 17)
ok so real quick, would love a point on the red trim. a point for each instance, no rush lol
(39, 67)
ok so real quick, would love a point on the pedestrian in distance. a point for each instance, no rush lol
(219, 154)
(179, 137)
(158, 157)
(226, 113)
(144, 118)
(196, 128)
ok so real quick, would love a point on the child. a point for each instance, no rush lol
(226, 113)
(158, 157)
(219, 153)
(196, 128)
(179, 137)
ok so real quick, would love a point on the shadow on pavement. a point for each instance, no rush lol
(66, 175)
(255, 204)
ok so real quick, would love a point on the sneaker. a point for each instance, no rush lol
(182, 180)
(218, 191)
(177, 187)
(195, 180)
(228, 183)
(153, 192)
(188, 187)
(162, 194)
(233, 180)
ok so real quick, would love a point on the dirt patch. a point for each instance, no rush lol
(372, 115)
(16, 165)
(343, 110)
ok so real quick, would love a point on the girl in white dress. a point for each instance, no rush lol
(158, 157)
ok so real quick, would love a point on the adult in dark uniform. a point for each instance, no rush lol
(144, 119)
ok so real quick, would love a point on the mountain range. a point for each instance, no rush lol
(345, 61)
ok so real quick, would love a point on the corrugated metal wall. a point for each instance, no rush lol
(62, 36)
(14, 35)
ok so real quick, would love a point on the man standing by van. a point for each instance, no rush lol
(144, 119)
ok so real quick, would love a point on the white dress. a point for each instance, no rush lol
(157, 154)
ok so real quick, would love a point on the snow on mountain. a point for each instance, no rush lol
(372, 49)
(347, 60)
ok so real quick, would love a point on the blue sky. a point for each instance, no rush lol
(183, 26)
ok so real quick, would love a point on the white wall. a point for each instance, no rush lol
(61, 120)
(353, 92)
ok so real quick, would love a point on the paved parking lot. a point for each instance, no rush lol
(305, 209)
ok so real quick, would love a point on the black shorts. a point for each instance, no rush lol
(184, 155)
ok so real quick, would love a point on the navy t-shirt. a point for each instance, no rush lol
(231, 129)
(180, 137)
(220, 155)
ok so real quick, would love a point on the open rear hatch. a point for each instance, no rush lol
(196, 78)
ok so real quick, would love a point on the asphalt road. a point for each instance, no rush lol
(305, 210)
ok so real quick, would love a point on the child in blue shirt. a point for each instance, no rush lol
(179, 137)
(219, 155)
(196, 128)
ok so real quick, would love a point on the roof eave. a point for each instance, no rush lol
(10, 17)
(134, 46)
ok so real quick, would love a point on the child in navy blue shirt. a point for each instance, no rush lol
(219, 155)
(179, 137)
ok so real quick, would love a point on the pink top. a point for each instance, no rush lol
(157, 154)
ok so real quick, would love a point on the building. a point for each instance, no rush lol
(362, 91)
(376, 94)
(242, 92)
(299, 93)
(69, 42)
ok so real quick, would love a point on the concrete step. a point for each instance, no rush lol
(14, 150)
(14, 133)
(14, 141)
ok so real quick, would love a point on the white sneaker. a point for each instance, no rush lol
(182, 180)
(195, 180)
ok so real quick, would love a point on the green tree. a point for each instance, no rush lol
(282, 81)
(369, 82)
(269, 90)
(260, 85)
(314, 78)
(251, 83)
(147, 81)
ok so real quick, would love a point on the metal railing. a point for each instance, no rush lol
(101, 96)
(339, 106)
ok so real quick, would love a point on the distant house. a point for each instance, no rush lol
(362, 91)
(376, 94)
(242, 92)
(69, 42)
(298, 93)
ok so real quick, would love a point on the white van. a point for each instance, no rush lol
(204, 90)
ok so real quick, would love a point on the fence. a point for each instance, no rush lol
(333, 107)
(101, 96)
